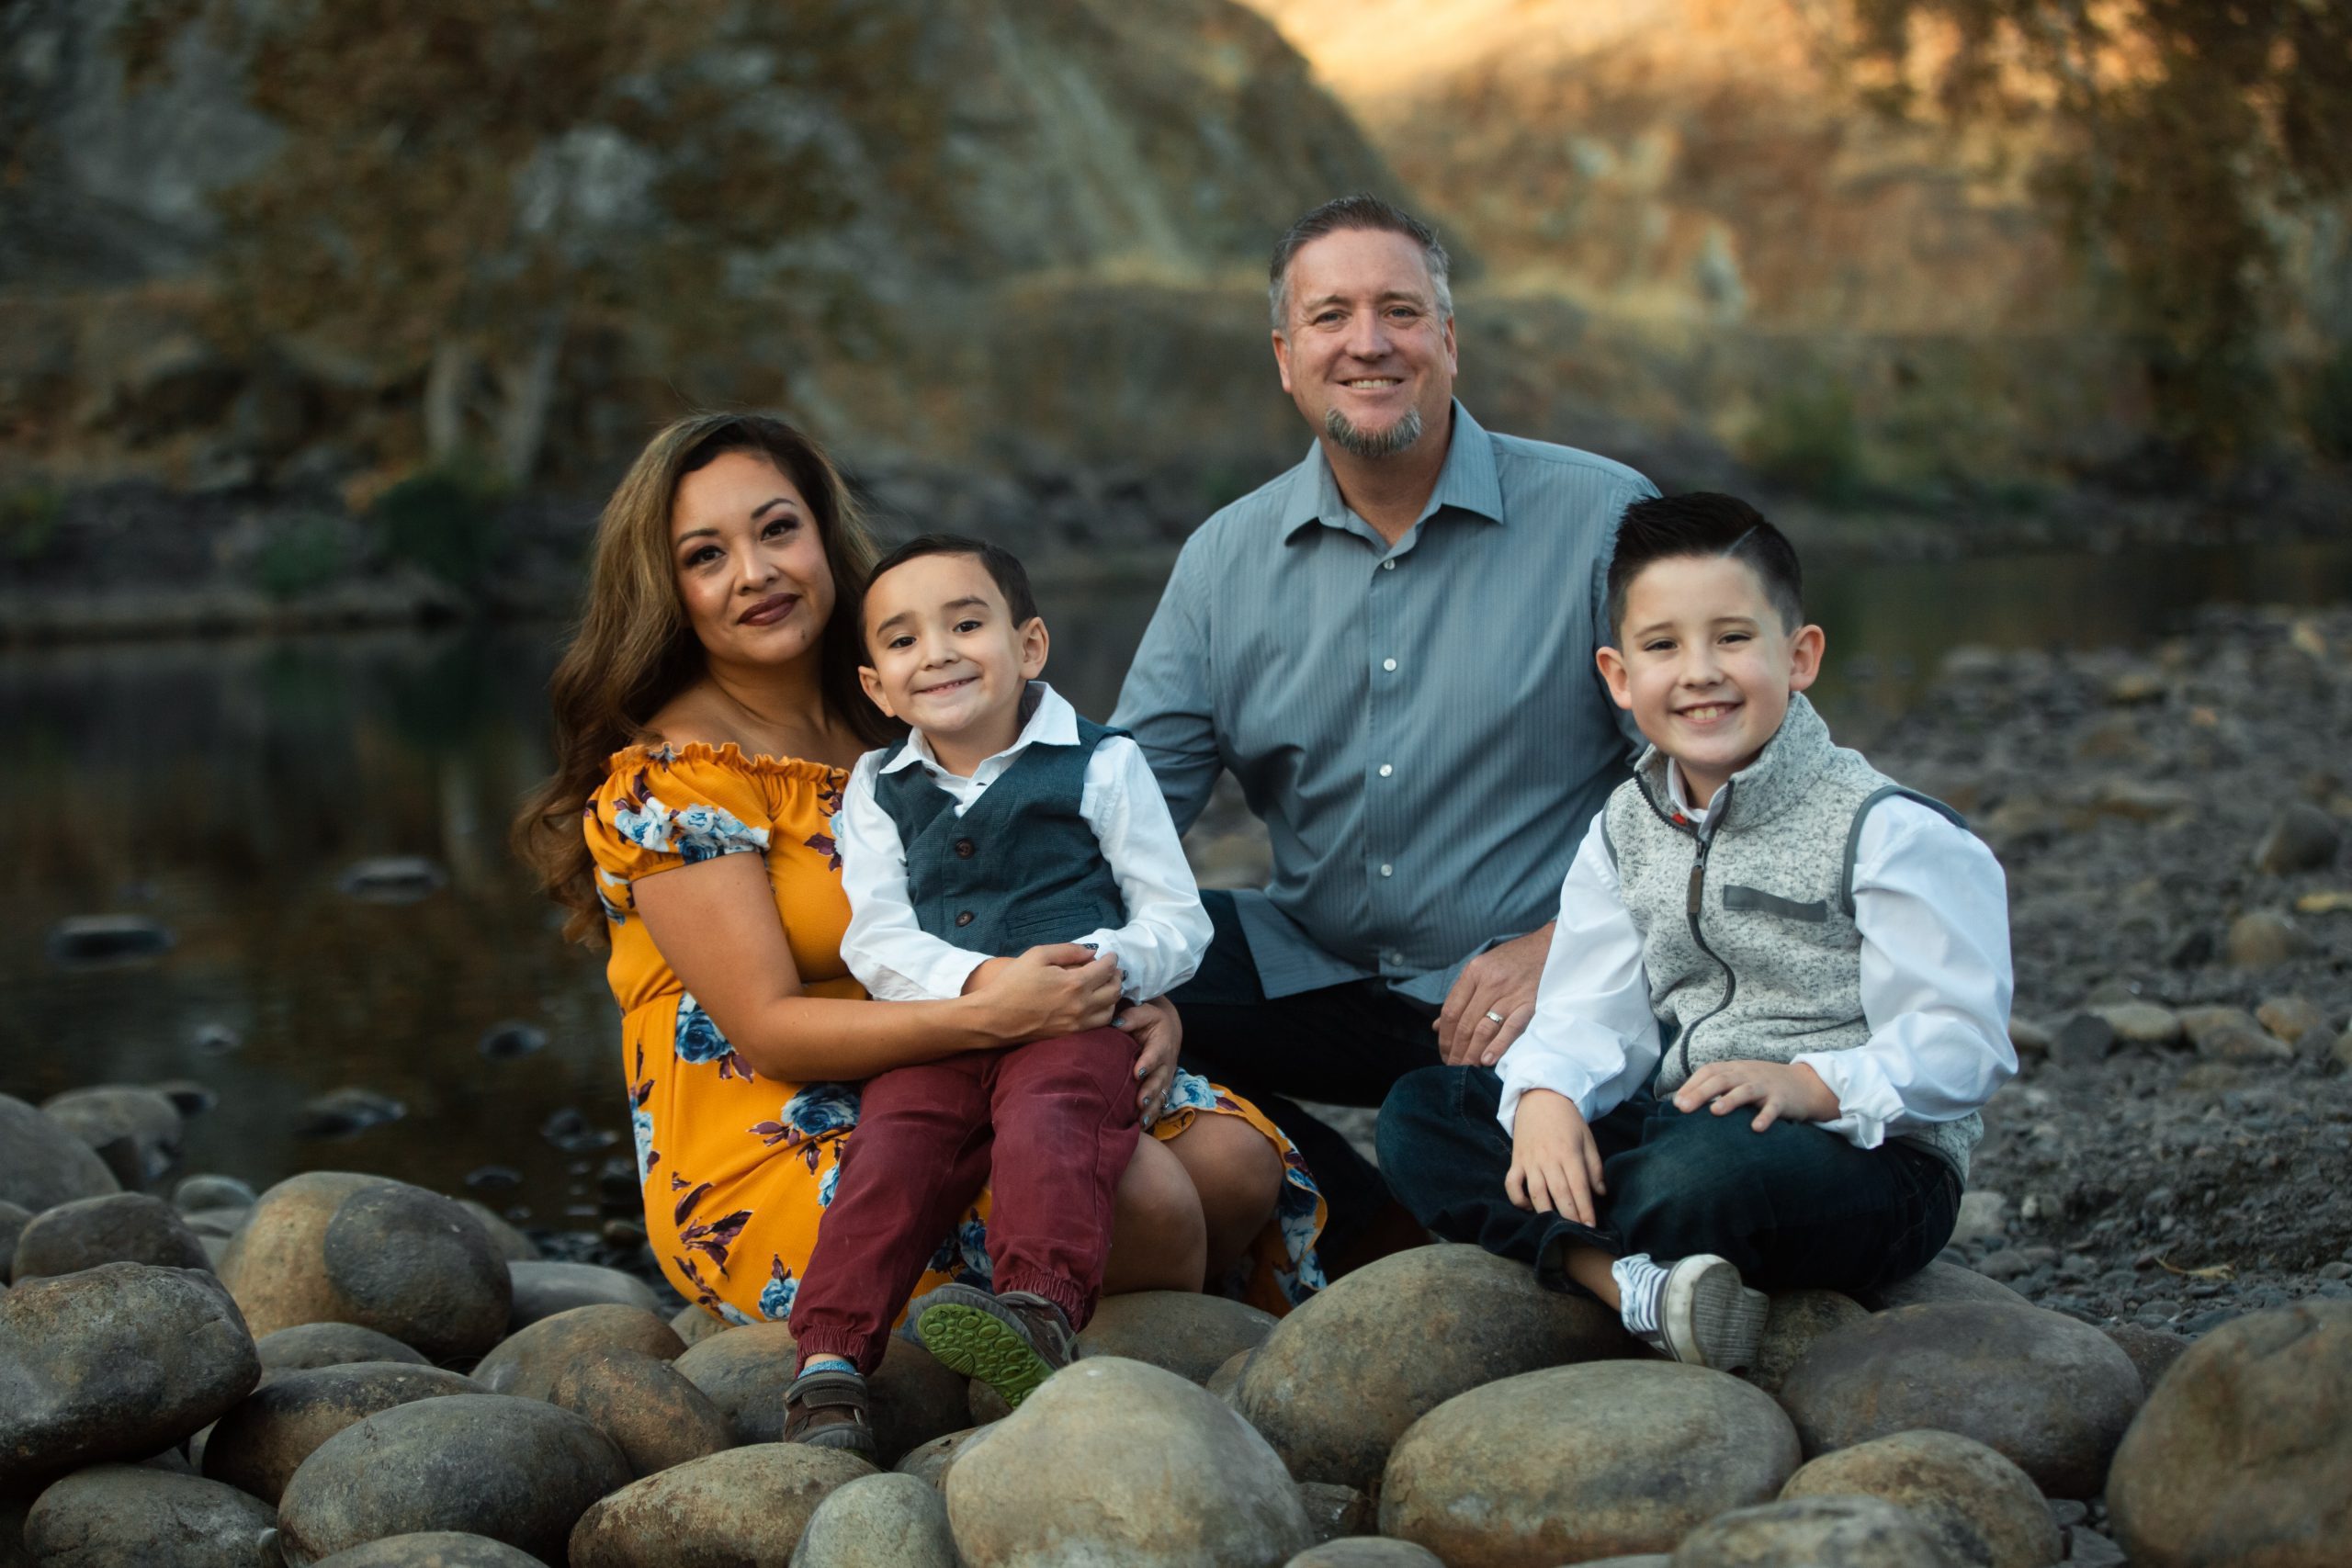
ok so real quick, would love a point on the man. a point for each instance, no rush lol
(1390, 646)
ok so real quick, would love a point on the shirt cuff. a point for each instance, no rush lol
(1867, 1102)
(946, 974)
(1527, 1065)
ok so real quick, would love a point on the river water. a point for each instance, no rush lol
(221, 788)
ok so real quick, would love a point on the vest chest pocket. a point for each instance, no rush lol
(1757, 901)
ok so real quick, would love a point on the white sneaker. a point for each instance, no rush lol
(1707, 1317)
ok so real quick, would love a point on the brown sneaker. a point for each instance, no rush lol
(1011, 1342)
(826, 1409)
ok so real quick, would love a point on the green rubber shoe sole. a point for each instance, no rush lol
(981, 1345)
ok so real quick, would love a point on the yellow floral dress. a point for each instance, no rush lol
(737, 1167)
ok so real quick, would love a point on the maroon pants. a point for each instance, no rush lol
(1047, 1127)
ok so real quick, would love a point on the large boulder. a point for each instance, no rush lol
(115, 1362)
(2242, 1452)
(258, 1446)
(746, 1505)
(1114, 1461)
(1338, 1381)
(1573, 1463)
(309, 1344)
(1812, 1532)
(694, 1325)
(1939, 1284)
(515, 1470)
(512, 1244)
(879, 1521)
(1796, 1320)
(645, 1405)
(929, 1463)
(118, 1228)
(42, 1165)
(1981, 1510)
(2153, 1350)
(330, 1247)
(125, 1516)
(542, 1290)
(137, 1131)
(432, 1549)
(745, 1370)
(1366, 1552)
(14, 1218)
(2050, 1393)
(1186, 1332)
(527, 1361)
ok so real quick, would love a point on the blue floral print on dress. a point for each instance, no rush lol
(696, 832)
(826, 1183)
(700, 1041)
(776, 1296)
(818, 1110)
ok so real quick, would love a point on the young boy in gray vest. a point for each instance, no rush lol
(1003, 822)
(1776, 996)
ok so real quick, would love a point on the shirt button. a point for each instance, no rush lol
(1388, 566)
(964, 848)
(1388, 664)
(1388, 871)
(964, 919)
(1387, 768)
(1394, 957)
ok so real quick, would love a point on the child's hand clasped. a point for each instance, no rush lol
(1781, 1092)
(1554, 1164)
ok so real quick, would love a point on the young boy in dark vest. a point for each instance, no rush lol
(1777, 993)
(1003, 822)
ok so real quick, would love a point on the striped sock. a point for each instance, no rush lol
(1639, 1283)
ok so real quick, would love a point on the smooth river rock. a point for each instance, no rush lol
(14, 1218)
(308, 1344)
(1186, 1332)
(646, 1405)
(1112, 1461)
(1812, 1532)
(42, 1164)
(432, 1549)
(528, 1361)
(1979, 1509)
(879, 1521)
(543, 1289)
(514, 1469)
(331, 1246)
(2153, 1350)
(1939, 1284)
(137, 1131)
(1366, 1552)
(1338, 1381)
(694, 1325)
(258, 1447)
(123, 1516)
(1606, 1459)
(929, 1463)
(1797, 1319)
(118, 1228)
(118, 1361)
(746, 1506)
(2052, 1394)
(2242, 1454)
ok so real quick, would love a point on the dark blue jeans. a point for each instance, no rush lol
(1792, 1207)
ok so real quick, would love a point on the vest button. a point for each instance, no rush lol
(964, 919)
(964, 848)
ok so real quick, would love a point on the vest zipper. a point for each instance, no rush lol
(1697, 901)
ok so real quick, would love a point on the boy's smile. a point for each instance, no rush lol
(943, 654)
(1706, 665)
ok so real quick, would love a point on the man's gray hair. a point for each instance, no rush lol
(1362, 210)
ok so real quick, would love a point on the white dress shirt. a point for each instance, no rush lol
(895, 959)
(1933, 910)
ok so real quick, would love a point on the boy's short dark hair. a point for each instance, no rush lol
(1012, 577)
(1704, 524)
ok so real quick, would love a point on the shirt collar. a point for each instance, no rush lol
(1051, 722)
(1467, 482)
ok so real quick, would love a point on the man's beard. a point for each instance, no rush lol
(1373, 443)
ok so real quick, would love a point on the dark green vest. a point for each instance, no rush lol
(1022, 867)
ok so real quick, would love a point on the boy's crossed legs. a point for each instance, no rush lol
(1790, 1207)
(1047, 1127)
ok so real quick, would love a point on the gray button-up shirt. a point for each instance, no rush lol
(1421, 728)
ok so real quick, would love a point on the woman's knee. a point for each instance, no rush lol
(1236, 1171)
(1159, 1235)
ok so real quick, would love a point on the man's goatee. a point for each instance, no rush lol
(1373, 443)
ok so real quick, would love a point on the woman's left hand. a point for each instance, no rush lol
(1160, 1034)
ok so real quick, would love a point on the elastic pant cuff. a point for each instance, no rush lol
(1075, 1300)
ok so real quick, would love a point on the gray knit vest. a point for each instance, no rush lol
(1019, 868)
(1748, 934)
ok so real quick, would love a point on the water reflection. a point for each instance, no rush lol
(223, 787)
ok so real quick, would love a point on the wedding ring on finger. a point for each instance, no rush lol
(1494, 1016)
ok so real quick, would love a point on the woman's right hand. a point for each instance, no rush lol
(1063, 988)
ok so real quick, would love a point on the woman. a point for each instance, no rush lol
(706, 713)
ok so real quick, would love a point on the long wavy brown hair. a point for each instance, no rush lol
(634, 649)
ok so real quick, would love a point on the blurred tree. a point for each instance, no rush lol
(2195, 134)
(464, 189)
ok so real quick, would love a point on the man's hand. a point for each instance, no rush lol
(1554, 1164)
(1783, 1093)
(1159, 1035)
(1491, 1001)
